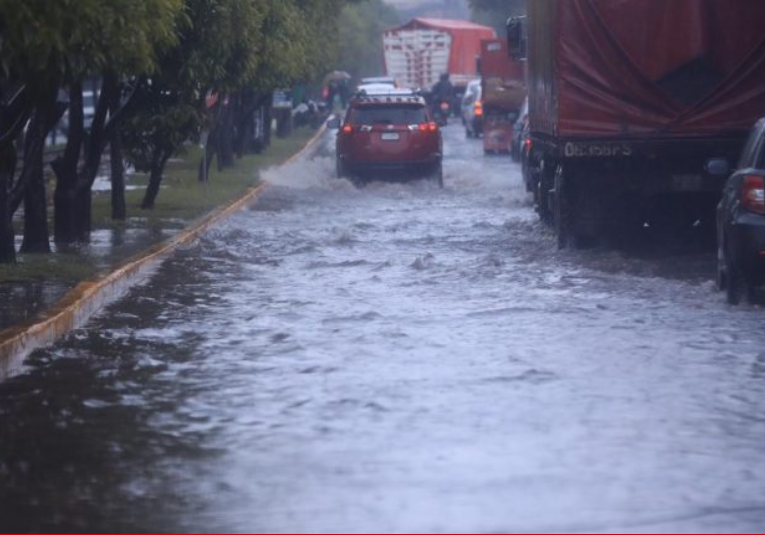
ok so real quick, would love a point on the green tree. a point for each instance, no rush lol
(360, 32)
(46, 46)
(220, 50)
(495, 13)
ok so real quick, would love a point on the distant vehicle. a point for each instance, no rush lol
(472, 109)
(60, 131)
(389, 135)
(503, 90)
(386, 80)
(625, 113)
(376, 88)
(417, 53)
(741, 223)
(88, 106)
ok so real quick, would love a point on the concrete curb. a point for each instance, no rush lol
(88, 297)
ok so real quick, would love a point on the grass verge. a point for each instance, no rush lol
(181, 201)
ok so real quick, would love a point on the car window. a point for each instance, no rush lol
(371, 115)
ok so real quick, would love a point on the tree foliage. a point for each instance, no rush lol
(361, 29)
(157, 60)
(70, 39)
(495, 13)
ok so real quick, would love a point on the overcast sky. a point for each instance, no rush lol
(432, 8)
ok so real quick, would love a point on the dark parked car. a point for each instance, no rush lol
(741, 223)
(389, 135)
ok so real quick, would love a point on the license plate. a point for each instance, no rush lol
(687, 182)
(390, 136)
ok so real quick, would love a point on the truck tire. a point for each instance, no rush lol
(544, 184)
(560, 209)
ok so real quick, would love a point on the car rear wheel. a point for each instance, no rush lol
(737, 288)
(722, 278)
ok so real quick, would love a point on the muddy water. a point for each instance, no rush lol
(397, 358)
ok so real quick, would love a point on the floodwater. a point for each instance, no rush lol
(397, 358)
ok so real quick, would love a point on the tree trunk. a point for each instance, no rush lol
(268, 113)
(226, 135)
(245, 108)
(65, 168)
(74, 189)
(7, 238)
(209, 154)
(96, 142)
(14, 112)
(119, 210)
(36, 237)
(158, 162)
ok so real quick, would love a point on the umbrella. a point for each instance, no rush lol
(336, 76)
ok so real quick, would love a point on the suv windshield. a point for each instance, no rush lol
(370, 115)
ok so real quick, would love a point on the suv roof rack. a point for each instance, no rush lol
(392, 92)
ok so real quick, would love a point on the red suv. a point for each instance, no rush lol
(387, 133)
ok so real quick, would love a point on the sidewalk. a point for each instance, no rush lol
(40, 281)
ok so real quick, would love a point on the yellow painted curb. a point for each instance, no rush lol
(87, 298)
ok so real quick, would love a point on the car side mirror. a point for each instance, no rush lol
(333, 123)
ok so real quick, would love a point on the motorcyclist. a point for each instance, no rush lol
(442, 91)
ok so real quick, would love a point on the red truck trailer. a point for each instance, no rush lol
(503, 90)
(418, 52)
(635, 101)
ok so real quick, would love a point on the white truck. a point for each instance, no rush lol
(420, 51)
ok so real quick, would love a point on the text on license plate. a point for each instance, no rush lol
(390, 136)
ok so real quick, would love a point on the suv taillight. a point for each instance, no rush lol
(478, 109)
(753, 194)
(347, 129)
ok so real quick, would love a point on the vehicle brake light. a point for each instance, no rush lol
(433, 127)
(347, 129)
(478, 108)
(528, 143)
(753, 194)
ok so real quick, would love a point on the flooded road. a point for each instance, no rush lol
(393, 359)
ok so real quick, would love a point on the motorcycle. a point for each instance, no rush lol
(441, 112)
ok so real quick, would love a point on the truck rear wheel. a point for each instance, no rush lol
(577, 208)
(561, 209)
(543, 184)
